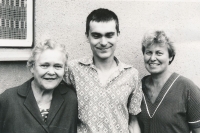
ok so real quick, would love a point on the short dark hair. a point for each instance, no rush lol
(160, 38)
(101, 15)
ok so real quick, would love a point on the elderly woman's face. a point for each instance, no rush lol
(48, 70)
(156, 58)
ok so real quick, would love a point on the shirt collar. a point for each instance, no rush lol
(90, 62)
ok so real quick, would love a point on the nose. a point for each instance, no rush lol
(103, 41)
(153, 57)
(51, 71)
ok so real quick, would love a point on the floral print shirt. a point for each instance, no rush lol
(105, 108)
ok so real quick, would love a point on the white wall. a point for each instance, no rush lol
(64, 21)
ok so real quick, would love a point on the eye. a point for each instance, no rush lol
(148, 52)
(58, 67)
(96, 36)
(44, 66)
(110, 35)
(159, 53)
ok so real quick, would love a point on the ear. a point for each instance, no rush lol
(118, 33)
(32, 70)
(118, 37)
(86, 37)
(171, 59)
(87, 40)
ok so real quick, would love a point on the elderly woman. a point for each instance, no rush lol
(43, 104)
(171, 102)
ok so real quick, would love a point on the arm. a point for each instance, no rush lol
(133, 125)
(196, 130)
(134, 107)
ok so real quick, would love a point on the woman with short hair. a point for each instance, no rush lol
(171, 102)
(45, 103)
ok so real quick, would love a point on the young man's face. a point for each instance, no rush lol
(103, 38)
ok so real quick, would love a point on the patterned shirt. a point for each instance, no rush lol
(44, 113)
(105, 108)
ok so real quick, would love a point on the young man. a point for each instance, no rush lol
(109, 92)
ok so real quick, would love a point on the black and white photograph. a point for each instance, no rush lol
(99, 66)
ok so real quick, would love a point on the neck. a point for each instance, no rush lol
(160, 79)
(106, 64)
(41, 95)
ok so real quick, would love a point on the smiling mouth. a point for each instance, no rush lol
(103, 48)
(50, 79)
(154, 64)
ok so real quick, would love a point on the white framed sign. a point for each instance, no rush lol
(16, 23)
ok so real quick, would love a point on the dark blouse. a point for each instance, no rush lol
(176, 109)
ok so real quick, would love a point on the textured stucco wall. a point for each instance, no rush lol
(64, 21)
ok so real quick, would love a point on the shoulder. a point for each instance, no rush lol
(135, 73)
(69, 95)
(75, 62)
(12, 92)
(128, 67)
(77, 65)
(187, 83)
(186, 87)
(8, 93)
(130, 71)
(144, 78)
(66, 89)
(134, 70)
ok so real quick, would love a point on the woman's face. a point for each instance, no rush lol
(156, 58)
(48, 69)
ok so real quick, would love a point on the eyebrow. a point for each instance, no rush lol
(93, 33)
(59, 64)
(41, 63)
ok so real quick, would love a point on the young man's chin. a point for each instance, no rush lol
(104, 56)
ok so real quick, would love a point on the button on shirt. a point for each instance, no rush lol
(105, 108)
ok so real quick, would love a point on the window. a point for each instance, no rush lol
(16, 25)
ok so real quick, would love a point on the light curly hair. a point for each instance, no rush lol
(47, 44)
(158, 38)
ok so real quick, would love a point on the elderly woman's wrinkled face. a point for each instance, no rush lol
(156, 58)
(48, 69)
